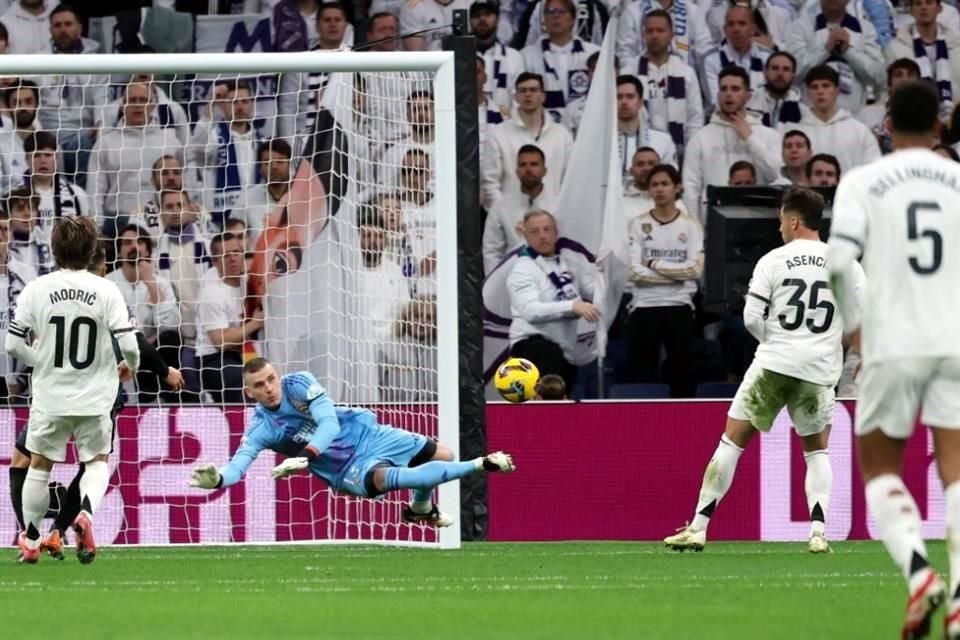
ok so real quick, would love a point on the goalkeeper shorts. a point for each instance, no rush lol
(384, 447)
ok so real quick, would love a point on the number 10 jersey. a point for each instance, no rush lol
(903, 214)
(803, 329)
(71, 315)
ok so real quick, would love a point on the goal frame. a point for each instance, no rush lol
(441, 65)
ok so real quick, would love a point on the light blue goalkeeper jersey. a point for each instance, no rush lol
(306, 417)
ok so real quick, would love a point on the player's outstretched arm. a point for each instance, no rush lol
(208, 476)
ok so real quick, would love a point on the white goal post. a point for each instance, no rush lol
(168, 434)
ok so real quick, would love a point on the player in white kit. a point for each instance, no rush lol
(62, 327)
(902, 213)
(791, 312)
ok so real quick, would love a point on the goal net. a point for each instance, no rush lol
(305, 203)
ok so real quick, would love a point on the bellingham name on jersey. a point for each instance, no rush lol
(305, 418)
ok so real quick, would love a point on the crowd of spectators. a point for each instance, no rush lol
(716, 92)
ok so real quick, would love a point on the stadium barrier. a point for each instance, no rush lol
(586, 471)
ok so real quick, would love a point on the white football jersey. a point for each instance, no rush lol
(72, 315)
(903, 212)
(803, 329)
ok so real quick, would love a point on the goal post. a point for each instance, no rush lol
(169, 436)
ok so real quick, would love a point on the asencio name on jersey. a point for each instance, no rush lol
(805, 260)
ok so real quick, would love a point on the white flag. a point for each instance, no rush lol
(589, 216)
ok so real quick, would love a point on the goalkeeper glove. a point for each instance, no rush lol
(289, 467)
(205, 477)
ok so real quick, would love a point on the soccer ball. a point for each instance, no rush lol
(516, 380)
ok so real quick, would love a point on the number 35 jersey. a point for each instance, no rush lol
(803, 329)
(71, 315)
(903, 213)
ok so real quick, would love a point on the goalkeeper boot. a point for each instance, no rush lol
(86, 547)
(924, 600)
(28, 554)
(818, 544)
(434, 517)
(686, 538)
(951, 624)
(53, 545)
(499, 461)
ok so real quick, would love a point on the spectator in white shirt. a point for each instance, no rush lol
(430, 16)
(152, 300)
(823, 170)
(772, 20)
(732, 134)
(632, 132)
(796, 154)
(422, 134)
(382, 293)
(671, 89)
(23, 100)
(742, 174)
(419, 223)
(262, 199)
(935, 49)
(835, 37)
(530, 124)
(737, 49)
(121, 160)
(690, 42)
(58, 196)
(222, 325)
(503, 229)
(636, 197)
(28, 23)
(830, 128)
(226, 152)
(503, 63)
(166, 113)
(560, 58)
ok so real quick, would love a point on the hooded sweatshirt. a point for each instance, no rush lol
(842, 136)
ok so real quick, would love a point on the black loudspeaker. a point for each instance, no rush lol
(742, 226)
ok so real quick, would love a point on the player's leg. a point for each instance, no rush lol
(941, 407)
(755, 405)
(46, 441)
(811, 408)
(890, 394)
(94, 438)
(19, 464)
(421, 499)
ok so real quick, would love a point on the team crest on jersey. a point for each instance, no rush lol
(682, 237)
(646, 228)
(579, 82)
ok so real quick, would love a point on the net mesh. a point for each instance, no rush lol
(295, 206)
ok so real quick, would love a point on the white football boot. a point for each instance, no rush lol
(923, 602)
(686, 538)
(818, 544)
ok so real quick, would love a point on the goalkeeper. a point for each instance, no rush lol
(344, 446)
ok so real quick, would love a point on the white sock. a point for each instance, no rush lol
(36, 501)
(818, 484)
(898, 519)
(93, 485)
(717, 478)
(952, 494)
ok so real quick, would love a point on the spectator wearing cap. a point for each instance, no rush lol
(503, 63)
(736, 49)
(28, 23)
(874, 115)
(690, 37)
(632, 132)
(777, 102)
(560, 58)
(503, 229)
(732, 134)
(796, 153)
(835, 37)
(530, 124)
(671, 90)
(823, 170)
(831, 128)
(935, 49)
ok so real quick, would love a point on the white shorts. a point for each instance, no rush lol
(763, 393)
(892, 392)
(48, 435)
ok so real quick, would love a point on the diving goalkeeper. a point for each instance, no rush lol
(344, 446)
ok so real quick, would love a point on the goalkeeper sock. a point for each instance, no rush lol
(428, 475)
(898, 522)
(17, 476)
(421, 500)
(71, 504)
(717, 478)
(93, 485)
(952, 494)
(818, 484)
(36, 500)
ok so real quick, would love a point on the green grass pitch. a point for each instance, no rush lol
(550, 591)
